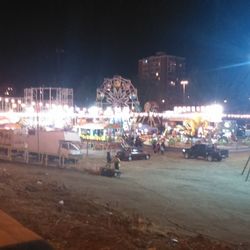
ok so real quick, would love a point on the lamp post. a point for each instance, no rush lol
(184, 83)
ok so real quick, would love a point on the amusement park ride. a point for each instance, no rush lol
(117, 92)
(150, 108)
(118, 108)
(47, 96)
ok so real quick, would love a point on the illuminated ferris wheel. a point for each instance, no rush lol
(117, 92)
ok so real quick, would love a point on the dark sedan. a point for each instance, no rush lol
(133, 154)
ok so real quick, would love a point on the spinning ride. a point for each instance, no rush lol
(151, 108)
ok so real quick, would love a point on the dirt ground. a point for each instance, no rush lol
(166, 202)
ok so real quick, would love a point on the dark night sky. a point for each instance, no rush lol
(103, 38)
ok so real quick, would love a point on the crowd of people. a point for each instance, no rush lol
(159, 147)
(113, 163)
(133, 141)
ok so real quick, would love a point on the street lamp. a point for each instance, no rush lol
(184, 83)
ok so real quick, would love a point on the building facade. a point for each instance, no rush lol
(160, 79)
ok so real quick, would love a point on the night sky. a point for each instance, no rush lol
(77, 44)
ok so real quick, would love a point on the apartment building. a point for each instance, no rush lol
(160, 78)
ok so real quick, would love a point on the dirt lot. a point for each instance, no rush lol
(164, 203)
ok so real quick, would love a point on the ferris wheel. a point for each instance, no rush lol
(117, 92)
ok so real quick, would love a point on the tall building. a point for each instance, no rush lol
(160, 79)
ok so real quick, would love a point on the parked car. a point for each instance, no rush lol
(208, 152)
(130, 154)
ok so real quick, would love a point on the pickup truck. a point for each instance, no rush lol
(208, 152)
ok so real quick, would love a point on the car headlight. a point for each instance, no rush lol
(183, 150)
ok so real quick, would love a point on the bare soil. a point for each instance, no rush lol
(164, 203)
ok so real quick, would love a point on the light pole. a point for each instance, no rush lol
(184, 83)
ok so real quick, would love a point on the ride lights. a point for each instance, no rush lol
(108, 112)
(93, 111)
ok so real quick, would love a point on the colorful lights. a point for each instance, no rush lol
(60, 116)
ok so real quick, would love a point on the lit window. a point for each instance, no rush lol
(172, 66)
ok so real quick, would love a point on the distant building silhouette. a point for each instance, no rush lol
(160, 76)
(7, 89)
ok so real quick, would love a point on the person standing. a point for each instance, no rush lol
(109, 160)
(158, 147)
(117, 163)
(154, 146)
(162, 147)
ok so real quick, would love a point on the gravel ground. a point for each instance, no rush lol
(204, 205)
